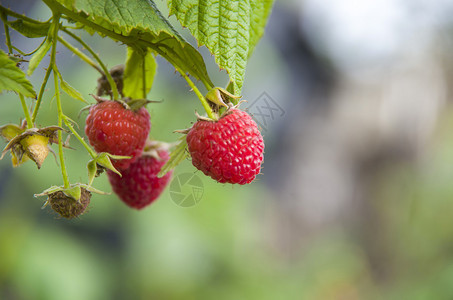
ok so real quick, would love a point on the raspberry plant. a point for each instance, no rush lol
(229, 29)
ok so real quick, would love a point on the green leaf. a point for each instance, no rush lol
(10, 131)
(133, 73)
(92, 171)
(72, 92)
(38, 56)
(136, 23)
(176, 157)
(13, 79)
(68, 89)
(30, 30)
(74, 191)
(230, 29)
(259, 14)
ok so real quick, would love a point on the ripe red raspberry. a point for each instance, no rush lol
(139, 185)
(112, 128)
(229, 150)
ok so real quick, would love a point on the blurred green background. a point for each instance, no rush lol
(356, 196)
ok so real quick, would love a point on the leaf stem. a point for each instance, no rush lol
(26, 111)
(56, 21)
(18, 16)
(77, 135)
(144, 74)
(41, 92)
(64, 173)
(31, 53)
(98, 59)
(44, 82)
(203, 100)
(80, 54)
(4, 18)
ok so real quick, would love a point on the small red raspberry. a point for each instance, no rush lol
(112, 128)
(139, 185)
(229, 150)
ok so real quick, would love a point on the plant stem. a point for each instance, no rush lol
(4, 18)
(80, 54)
(31, 53)
(144, 74)
(18, 16)
(56, 21)
(60, 138)
(77, 135)
(41, 92)
(96, 57)
(26, 111)
(203, 100)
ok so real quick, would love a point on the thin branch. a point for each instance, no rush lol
(18, 16)
(203, 100)
(80, 54)
(98, 59)
(26, 111)
(41, 92)
(4, 18)
(64, 173)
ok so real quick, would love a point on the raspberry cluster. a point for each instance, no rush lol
(115, 129)
(229, 150)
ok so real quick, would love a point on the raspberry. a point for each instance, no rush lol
(139, 185)
(119, 131)
(229, 150)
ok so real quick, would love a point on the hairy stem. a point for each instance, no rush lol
(64, 173)
(98, 59)
(80, 54)
(4, 18)
(31, 53)
(41, 92)
(14, 14)
(203, 100)
(56, 22)
(26, 111)
(144, 75)
(77, 135)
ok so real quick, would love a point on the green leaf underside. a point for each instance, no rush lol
(142, 25)
(68, 89)
(38, 56)
(260, 11)
(229, 29)
(133, 73)
(31, 30)
(176, 157)
(72, 92)
(13, 79)
(75, 192)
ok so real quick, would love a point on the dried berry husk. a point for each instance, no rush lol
(104, 88)
(36, 147)
(66, 206)
(70, 201)
(32, 144)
